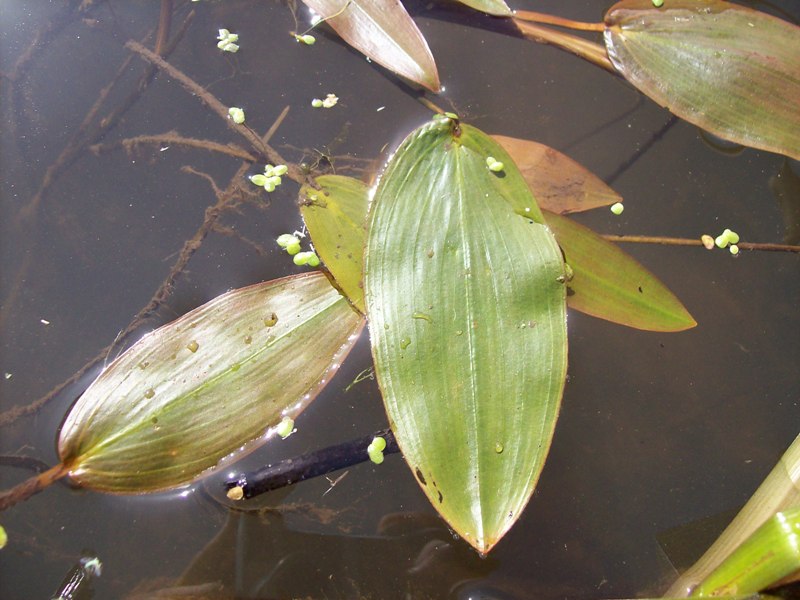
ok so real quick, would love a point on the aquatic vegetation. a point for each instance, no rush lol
(460, 259)
(228, 41)
(236, 114)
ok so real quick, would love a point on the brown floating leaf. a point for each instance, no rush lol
(385, 33)
(558, 183)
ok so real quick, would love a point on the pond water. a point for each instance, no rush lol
(656, 430)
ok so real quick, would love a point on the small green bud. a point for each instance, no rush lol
(493, 164)
(301, 258)
(307, 39)
(293, 249)
(236, 114)
(274, 180)
(734, 249)
(617, 208)
(721, 241)
(378, 445)
(269, 186)
(280, 170)
(658, 3)
(376, 456)
(227, 41)
(259, 180)
(330, 101)
(287, 239)
(731, 236)
(316, 103)
(306, 258)
(285, 428)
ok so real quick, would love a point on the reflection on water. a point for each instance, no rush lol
(104, 198)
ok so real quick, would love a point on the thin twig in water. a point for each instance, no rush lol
(673, 241)
(173, 139)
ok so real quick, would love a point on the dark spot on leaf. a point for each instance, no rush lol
(440, 497)
(570, 291)
(421, 477)
(640, 290)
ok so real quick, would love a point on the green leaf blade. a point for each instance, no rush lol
(610, 284)
(334, 216)
(385, 33)
(468, 327)
(209, 385)
(723, 67)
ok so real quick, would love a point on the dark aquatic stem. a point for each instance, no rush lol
(306, 466)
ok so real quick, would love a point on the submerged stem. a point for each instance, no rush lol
(673, 241)
(31, 486)
(537, 17)
(594, 53)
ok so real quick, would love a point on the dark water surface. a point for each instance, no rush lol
(656, 430)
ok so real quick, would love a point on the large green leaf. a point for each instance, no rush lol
(211, 384)
(334, 216)
(466, 306)
(608, 283)
(493, 7)
(728, 69)
(558, 183)
(385, 33)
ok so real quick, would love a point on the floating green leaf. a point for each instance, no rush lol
(334, 216)
(214, 383)
(497, 8)
(466, 305)
(608, 283)
(558, 183)
(385, 33)
(729, 69)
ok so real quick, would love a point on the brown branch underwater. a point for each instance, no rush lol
(673, 241)
(172, 138)
(215, 105)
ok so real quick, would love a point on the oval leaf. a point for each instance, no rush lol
(610, 284)
(558, 183)
(208, 385)
(497, 8)
(723, 67)
(468, 326)
(334, 216)
(385, 33)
